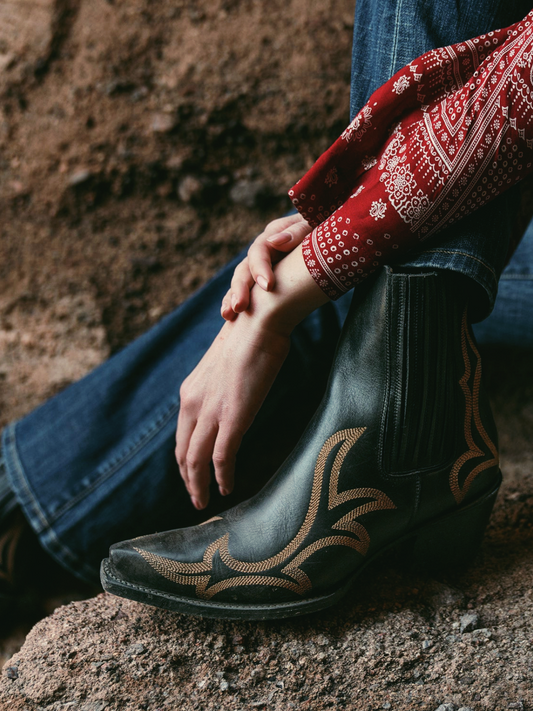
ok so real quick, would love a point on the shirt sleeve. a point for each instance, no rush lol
(449, 132)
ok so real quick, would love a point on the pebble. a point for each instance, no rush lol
(246, 192)
(93, 706)
(134, 649)
(162, 123)
(189, 188)
(469, 622)
(78, 177)
(482, 634)
(446, 707)
(12, 672)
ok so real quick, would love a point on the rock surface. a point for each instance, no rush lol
(399, 641)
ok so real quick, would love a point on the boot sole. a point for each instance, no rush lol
(449, 542)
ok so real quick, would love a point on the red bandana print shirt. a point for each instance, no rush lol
(448, 133)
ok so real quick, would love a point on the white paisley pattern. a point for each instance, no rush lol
(445, 135)
(359, 126)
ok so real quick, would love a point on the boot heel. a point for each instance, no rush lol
(452, 542)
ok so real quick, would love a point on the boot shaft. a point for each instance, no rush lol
(411, 369)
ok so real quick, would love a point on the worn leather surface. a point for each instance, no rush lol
(404, 434)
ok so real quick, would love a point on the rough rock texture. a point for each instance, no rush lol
(141, 145)
(396, 642)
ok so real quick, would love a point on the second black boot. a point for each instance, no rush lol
(401, 452)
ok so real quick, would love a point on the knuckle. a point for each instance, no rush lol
(193, 462)
(222, 460)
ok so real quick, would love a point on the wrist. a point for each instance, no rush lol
(294, 296)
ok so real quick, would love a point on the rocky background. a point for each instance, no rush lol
(142, 145)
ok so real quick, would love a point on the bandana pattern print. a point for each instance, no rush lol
(449, 132)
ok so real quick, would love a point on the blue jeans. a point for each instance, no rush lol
(387, 35)
(95, 464)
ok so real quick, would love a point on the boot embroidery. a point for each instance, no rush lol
(472, 422)
(199, 574)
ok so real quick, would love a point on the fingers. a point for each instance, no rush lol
(194, 444)
(280, 237)
(237, 298)
(224, 455)
(226, 310)
(260, 264)
(263, 252)
(198, 442)
(196, 447)
(290, 238)
(198, 460)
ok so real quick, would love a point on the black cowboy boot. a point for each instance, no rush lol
(401, 452)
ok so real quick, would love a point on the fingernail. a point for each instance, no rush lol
(234, 302)
(196, 503)
(263, 283)
(224, 492)
(281, 238)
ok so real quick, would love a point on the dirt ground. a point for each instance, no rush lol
(141, 146)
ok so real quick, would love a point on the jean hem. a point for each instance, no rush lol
(33, 512)
(470, 266)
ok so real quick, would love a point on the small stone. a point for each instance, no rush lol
(386, 705)
(482, 634)
(426, 644)
(78, 177)
(12, 672)
(469, 622)
(444, 595)
(134, 649)
(446, 707)
(224, 685)
(189, 188)
(465, 708)
(246, 192)
(162, 123)
(93, 706)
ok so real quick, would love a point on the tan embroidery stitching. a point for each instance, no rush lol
(472, 417)
(187, 573)
(210, 520)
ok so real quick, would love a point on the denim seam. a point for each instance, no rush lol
(64, 555)
(463, 254)
(27, 498)
(117, 462)
(397, 26)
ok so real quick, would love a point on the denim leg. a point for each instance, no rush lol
(95, 464)
(387, 35)
(511, 321)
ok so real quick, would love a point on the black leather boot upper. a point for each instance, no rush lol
(404, 434)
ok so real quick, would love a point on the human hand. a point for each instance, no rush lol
(220, 399)
(279, 238)
(222, 395)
